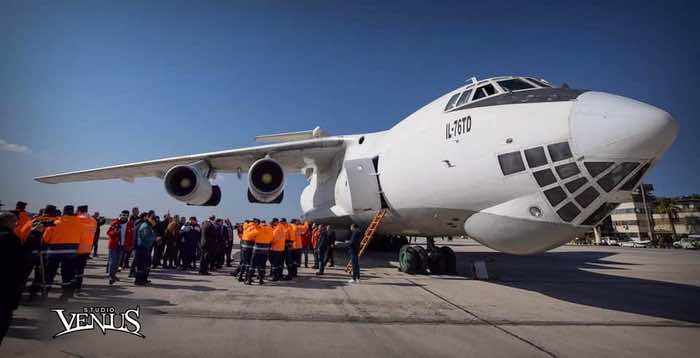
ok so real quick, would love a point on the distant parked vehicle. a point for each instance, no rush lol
(609, 241)
(635, 243)
(687, 243)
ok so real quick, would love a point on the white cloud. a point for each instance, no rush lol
(9, 147)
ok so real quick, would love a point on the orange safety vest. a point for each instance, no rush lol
(23, 219)
(279, 236)
(264, 235)
(64, 238)
(24, 231)
(86, 239)
(299, 231)
(292, 230)
(247, 230)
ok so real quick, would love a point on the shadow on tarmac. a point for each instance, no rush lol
(565, 276)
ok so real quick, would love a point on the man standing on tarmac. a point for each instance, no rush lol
(279, 236)
(190, 236)
(22, 216)
(100, 220)
(62, 243)
(208, 245)
(354, 251)
(86, 241)
(288, 249)
(247, 242)
(145, 237)
(323, 245)
(261, 249)
(121, 237)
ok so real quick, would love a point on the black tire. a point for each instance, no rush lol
(450, 260)
(424, 260)
(436, 263)
(408, 260)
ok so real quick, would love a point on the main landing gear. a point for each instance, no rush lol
(414, 259)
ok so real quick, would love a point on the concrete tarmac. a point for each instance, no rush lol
(574, 301)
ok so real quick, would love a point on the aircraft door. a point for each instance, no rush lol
(363, 185)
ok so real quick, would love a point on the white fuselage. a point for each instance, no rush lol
(440, 175)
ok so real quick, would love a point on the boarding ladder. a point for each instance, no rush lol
(369, 234)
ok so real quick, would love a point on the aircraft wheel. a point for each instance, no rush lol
(408, 260)
(436, 262)
(450, 260)
(424, 259)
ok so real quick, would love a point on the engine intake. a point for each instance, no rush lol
(189, 184)
(265, 181)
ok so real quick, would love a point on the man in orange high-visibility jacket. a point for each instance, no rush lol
(250, 229)
(261, 249)
(298, 244)
(86, 241)
(279, 236)
(289, 249)
(33, 241)
(22, 218)
(62, 243)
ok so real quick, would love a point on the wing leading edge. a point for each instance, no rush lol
(291, 155)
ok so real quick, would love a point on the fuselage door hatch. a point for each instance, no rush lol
(363, 185)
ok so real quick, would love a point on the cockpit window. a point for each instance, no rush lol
(451, 102)
(539, 83)
(515, 85)
(484, 91)
(464, 98)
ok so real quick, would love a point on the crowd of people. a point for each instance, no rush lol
(140, 241)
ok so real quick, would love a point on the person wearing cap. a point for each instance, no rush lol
(279, 236)
(86, 241)
(121, 237)
(33, 242)
(22, 216)
(261, 249)
(247, 243)
(61, 242)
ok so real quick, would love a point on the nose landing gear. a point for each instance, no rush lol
(414, 259)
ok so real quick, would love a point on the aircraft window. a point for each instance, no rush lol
(600, 213)
(539, 83)
(451, 102)
(535, 157)
(464, 98)
(484, 91)
(544, 177)
(573, 185)
(587, 196)
(595, 168)
(615, 176)
(568, 212)
(634, 180)
(559, 151)
(515, 84)
(567, 170)
(555, 195)
(511, 163)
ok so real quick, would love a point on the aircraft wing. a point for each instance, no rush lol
(293, 156)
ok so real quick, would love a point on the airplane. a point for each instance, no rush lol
(512, 162)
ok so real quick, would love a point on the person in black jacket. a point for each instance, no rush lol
(354, 251)
(322, 246)
(208, 245)
(331, 247)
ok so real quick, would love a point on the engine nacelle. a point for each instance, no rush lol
(190, 184)
(266, 182)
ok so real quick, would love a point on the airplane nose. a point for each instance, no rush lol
(606, 125)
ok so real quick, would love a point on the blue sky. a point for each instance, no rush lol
(85, 84)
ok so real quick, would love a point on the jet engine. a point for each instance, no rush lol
(266, 182)
(190, 184)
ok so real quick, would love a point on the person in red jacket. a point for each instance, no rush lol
(121, 238)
